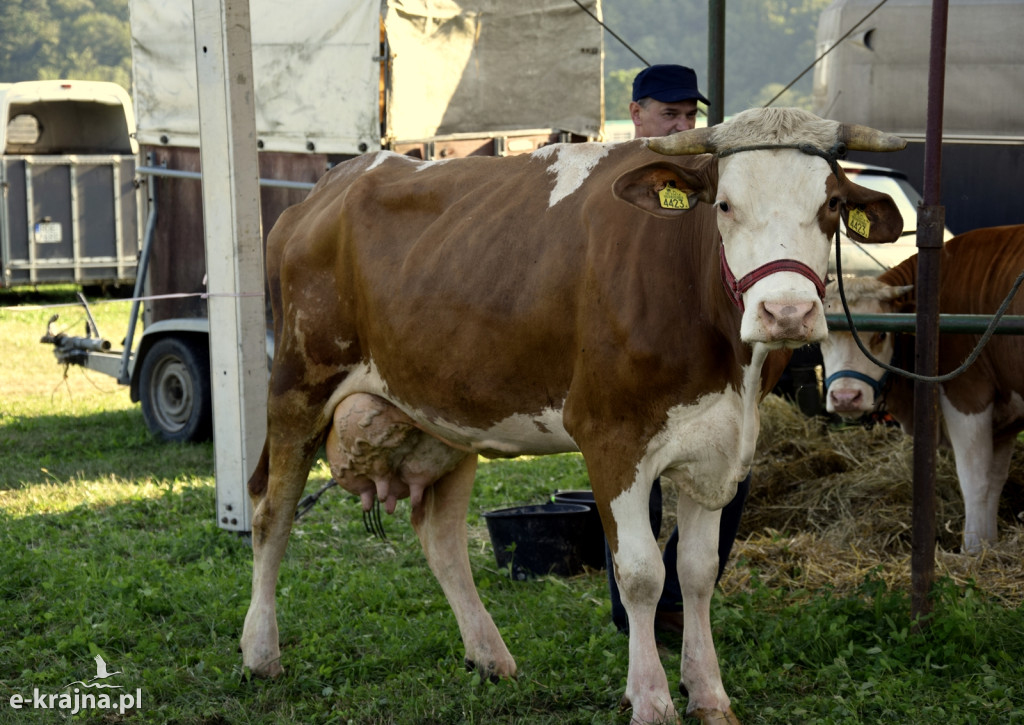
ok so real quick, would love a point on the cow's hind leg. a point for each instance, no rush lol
(275, 493)
(441, 525)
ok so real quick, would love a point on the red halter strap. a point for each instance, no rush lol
(736, 287)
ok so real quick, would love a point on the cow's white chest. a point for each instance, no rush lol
(707, 447)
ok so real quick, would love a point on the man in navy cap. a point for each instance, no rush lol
(665, 100)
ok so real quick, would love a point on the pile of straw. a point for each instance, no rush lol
(831, 505)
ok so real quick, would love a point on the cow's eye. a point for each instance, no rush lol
(723, 206)
(833, 203)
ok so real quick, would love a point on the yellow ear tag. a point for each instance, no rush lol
(858, 221)
(673, 198)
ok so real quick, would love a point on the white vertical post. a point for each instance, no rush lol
(234, 250)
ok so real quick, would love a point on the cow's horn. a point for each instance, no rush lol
(684, 143)
(863, 138)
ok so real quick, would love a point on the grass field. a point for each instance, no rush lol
(110, 548)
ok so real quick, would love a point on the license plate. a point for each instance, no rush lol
(48, 232)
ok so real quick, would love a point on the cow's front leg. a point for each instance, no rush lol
(697, 563)
(440, 522)
(274, 511)
(640, 575)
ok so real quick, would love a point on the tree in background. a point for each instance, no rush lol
(80, 39)
(618, 92)
(767, 44)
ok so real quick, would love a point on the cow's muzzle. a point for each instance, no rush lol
(785, 321)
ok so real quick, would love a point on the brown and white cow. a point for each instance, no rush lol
(571, 299)
(982, 409)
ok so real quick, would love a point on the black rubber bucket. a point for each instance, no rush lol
(538, 540)
(593, 535)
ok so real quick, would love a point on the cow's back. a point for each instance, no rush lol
(433, 269)
(978, 270)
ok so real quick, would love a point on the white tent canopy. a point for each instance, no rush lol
(465, 66)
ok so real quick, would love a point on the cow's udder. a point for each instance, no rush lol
(375, 450)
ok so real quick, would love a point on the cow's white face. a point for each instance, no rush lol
(853, 381)
(848, 396)
(773, 205)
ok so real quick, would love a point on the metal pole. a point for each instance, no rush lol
(950, 324)
(929, 242)
(234, 250)
(716, 61)
(141, 270)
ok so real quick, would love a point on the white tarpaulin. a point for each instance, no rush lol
(466, 66)
(315, 69)
(879, 75)
(470, 66)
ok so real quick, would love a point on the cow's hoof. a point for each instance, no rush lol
(485, 672)
(714, 717)
(625, 704)
(267, 670)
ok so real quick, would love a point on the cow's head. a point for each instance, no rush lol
(779, 198)
(854, 384)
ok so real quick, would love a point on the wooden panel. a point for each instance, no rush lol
(178, 259)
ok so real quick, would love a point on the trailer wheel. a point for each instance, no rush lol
(174, 388)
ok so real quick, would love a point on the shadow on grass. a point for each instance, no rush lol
(44, 448)
(58, 294)
(40, 295)
(153, 586)
(160, 593)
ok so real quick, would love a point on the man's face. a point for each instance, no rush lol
(655, 118)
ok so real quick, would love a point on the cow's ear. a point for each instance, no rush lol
(898, 299)
(871, 216)
(663, 188)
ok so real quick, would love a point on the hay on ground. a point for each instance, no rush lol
(830, 506)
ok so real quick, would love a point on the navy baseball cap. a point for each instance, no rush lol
(668, 84)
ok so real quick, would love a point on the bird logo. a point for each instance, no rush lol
(101, 674)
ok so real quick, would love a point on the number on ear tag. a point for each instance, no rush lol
(672, 198)
(858, 222)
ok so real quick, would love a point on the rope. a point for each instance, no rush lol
(907, 373)
(308, 502)
(822, 56)
(613, 33)
(832, 156)
(169, 296)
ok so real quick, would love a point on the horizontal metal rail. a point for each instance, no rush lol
(948, 324)
(178, 174)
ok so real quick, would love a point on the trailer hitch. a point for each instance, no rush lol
(72, 350)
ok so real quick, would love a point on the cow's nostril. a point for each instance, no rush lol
(790, 320)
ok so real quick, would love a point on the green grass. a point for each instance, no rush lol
(109, 546)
